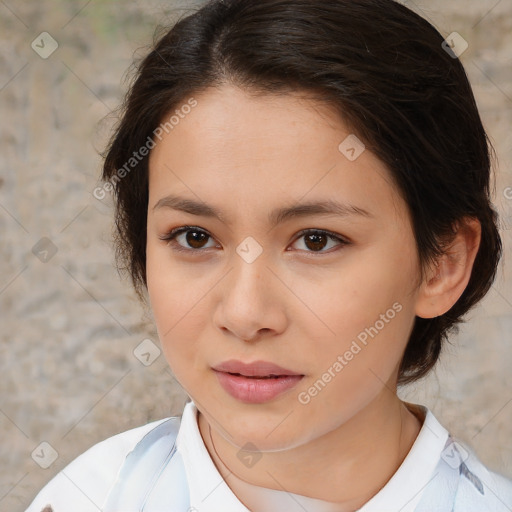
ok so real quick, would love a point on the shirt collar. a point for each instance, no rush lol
(404, 489)
(210, 493)
(208, 490)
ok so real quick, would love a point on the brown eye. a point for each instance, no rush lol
(316, 240)
(193, 239)
(196, 239)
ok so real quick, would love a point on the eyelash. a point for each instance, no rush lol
(172, 234)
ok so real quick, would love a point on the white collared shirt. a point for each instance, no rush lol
(83, 485)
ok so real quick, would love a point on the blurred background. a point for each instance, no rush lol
(79, 355)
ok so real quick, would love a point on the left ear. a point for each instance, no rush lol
(447, 279)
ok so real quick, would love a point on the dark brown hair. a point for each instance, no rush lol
(377, 63)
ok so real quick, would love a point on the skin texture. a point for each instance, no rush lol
(294, 305)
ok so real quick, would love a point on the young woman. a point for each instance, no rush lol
(302, 195)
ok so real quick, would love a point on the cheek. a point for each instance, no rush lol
(172, 291)
(178, 295)
(344, 302)
(172, 299)
(364, 313)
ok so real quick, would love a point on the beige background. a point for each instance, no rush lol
(69, 326)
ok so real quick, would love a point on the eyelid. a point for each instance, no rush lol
(332, 234)
(171, 235)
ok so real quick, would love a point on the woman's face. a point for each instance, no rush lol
(248, 285)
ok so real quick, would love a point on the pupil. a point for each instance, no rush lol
(193, 242)
(314, 238)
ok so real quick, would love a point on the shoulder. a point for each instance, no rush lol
(458, 481)
(86, 480)
(480, 489)
(494, 494)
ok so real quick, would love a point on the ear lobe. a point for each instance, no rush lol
(448, 277)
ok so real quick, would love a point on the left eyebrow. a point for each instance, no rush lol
(327, 207)
(275, 217)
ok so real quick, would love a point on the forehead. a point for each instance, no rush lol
(255, 151)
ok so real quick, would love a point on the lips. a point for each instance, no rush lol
(256, 369)
(257, 382)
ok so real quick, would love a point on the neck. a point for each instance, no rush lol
(369, 450)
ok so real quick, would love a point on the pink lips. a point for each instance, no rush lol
(255, 382)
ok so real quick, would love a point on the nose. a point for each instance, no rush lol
(252, 302)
